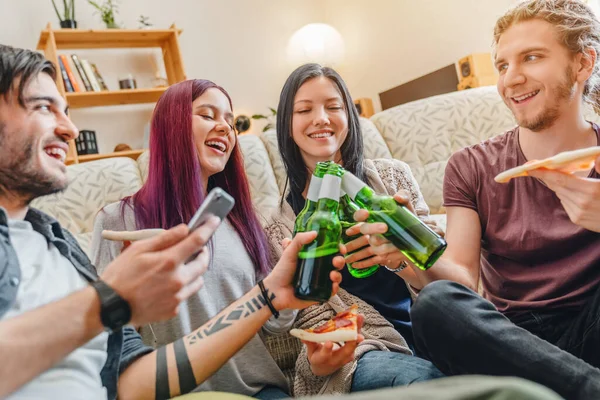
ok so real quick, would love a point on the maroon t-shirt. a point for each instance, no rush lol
(532, 255)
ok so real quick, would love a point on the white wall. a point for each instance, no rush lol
(390, 42)
(241, 45)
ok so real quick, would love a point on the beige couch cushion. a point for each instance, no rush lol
(263, 186)
(92, 186)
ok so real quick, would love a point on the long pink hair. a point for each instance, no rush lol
(173, 191)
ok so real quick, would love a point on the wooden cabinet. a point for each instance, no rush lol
(52, 40)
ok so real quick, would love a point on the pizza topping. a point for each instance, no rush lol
(328, 327)
(341, 323)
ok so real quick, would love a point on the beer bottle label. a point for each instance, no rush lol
(352, 185)
(313, 188)
(330, 188)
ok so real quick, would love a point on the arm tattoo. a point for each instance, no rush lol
(187, 380)
(162, 390)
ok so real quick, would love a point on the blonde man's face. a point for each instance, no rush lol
(539, 78)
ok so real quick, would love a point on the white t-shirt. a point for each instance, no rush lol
(47, 276)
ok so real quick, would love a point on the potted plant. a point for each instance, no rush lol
(67, 18)
(270, 119)
(107, 11)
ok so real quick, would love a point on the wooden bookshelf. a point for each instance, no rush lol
(129, 153)
(114, 97)
(51, 40)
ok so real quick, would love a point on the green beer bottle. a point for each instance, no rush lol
(346, 212)
(311, 197)
(311, 281)
(408, 233)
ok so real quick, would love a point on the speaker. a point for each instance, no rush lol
(364, 106)
(477, 81)
(478, 64)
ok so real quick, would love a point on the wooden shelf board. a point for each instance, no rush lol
(106, 38)
(93, 157)
(114, 97)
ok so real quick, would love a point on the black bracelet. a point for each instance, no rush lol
(261, 286)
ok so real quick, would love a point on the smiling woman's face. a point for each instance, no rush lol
(320, 121)
(212, 127)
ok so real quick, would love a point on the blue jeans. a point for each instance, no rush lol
(271, 393)
(383, 369)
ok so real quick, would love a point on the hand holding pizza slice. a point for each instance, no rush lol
(328, 357)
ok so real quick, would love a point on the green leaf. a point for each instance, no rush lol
(274, 111)
(56, 9)
(258, 116)
(267, 127)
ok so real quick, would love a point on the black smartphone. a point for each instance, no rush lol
(218, 203)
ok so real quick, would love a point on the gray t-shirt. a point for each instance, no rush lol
(47, 276)
(229, 277)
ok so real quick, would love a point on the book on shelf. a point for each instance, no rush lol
(98, 77)
(65, 77)
(65, 63)
(82, 75)
(89, 72)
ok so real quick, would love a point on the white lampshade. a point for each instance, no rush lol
(319, 43)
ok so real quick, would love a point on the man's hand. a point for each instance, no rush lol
(280, 279)
(151, 275)
(326, 358)
(579, 196)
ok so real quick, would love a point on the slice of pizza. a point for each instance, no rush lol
(567, 162)
(341, 328)
(130, 236)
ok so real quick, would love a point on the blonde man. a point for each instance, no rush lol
(535, 241)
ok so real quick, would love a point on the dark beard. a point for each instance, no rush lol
(18, 175)
(564, 91)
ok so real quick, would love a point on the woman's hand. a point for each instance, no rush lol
(280, 279)
(326, 358)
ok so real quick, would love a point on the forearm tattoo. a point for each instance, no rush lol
(185, 372)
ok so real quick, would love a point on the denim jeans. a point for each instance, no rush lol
(462, 333)
(271, 393)
(384, 369)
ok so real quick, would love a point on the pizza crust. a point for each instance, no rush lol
(131, 236)
(344, 335)
(567, 162)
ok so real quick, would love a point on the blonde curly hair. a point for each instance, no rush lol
(577, 26)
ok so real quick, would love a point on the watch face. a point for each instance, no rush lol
(119, 316)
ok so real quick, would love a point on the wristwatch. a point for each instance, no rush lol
(115, 311)
(402, 265)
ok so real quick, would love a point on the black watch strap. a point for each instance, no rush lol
(115, 311)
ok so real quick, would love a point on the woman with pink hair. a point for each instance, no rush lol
(193, 148)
